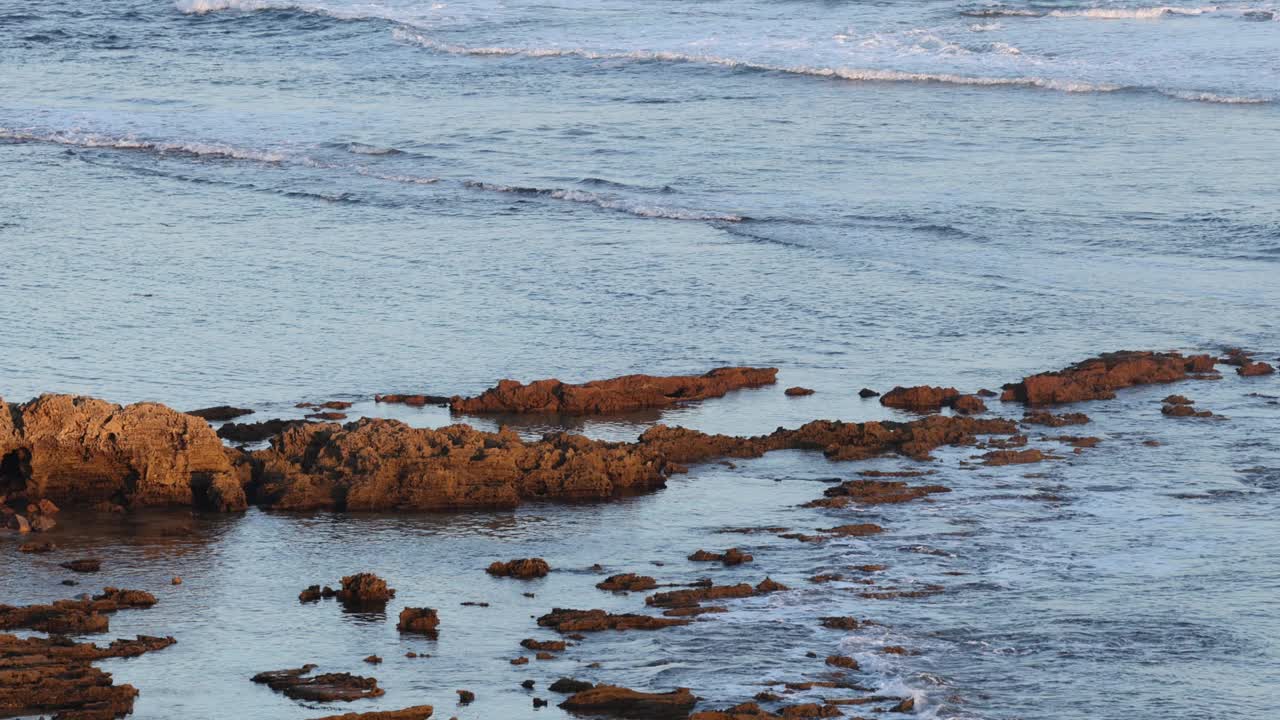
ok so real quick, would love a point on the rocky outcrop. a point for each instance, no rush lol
(694, 596)
(874, 492)
(574, 621)
(418, 620)
(523, 568)
(732, 556)
(627, 582)
(387, 465)
(920, 398)
(78, 617)
(417, 712)
(1255, 369)
(300, 684)
(1098, 378)
(364, 589)
(626, 703)
(621, 394)
(79, 451)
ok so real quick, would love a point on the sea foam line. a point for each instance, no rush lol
(850, 74)
(606, 202)
(1155, 12)
(93, 140)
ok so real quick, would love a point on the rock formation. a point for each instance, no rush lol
(1098, 378)
(620, 394)
(523, 568)
(626, 703)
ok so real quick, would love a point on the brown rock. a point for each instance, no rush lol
(1048, 419)
(732, 556)
(466, 697)
(841, 623)
(84, 565)
(328, 415)
(543, 645)
(1255, 369)
(905, 706)
(694, 611)
(842, 661)
(414, 400)
(1013, 457)
(921, 398)
(621, 394)
(1178, 400)
(626, 703)
(364, 589)
(314, 593)
(520, 661)
(524, 568)
(418, 620)
(220, 413)
(299, 684)
(417, 712)
(335, 405)
(874, 492)
(34, 547)
(798, 391)
(627, 582)
(257, 431)
(373, 660)
(969, 405)
(854, 530)
(569, 686)
(1098, 378)
(575, 621)
(82, 451)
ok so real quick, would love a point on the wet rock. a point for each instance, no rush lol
(826, 578)
(627, 582)
(842, 661)
(418, 620)
(417, 712)
(413, 400)
(694, 611)
(743, 711)
(920, 398)
(1048, 419)
(527, 684)
(985, 393)
(854, 530)
(1076, 441)
(1255, 369)
(18, 523)
(83, 565)
(520, 661)
(82, 451)
(539, 702)
(335, 405)
(570, 686)
(841, 623)
(1184, 411)
(682, 598)
(894, 650)
(1013, 457)
(874, 492)
(905, 706)
(872, 568)
(732, 556)
(575, 621)
(811, 710)
(543, 645)
(73, 616)
(220, 413)
(175, 580)
(865, 393)
(373, 660)
(968, 405)
(327, 415)
(621, 394)
(37, 547)
(466, 697)
(1178, 400)
(626, 703)
(798, 391)
(257, 431)
(1098, 378)
(364, 589)
(314, 593)
(299, 684)
(524, 568)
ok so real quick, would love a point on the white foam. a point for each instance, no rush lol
(606, 202)
(94, 140)
(1155, 12)
(410, 179)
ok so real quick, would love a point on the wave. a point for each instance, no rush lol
(1133, 13)
(93, 140)
(363, 149)
(839, 73)
(607, 202)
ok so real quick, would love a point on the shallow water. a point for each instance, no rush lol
(262, 203)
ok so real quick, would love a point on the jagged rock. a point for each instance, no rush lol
(299, 684)
(968, 405)
(627, 582)
(626, 703)
(364, 589)
(220, 413)
(1098, 378)
(524, 568)
(83, 451)
(575, 621)
(417, 712)
(1255, 369)
(921, 398)
(621, 394)
(73, 616)
(685, 598)
(842, 661)
(315, 592)
(418, 620)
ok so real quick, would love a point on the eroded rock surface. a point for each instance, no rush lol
(300, 684)
(523, 568)
(573, 621)
(1098, 378)
(621, 394)
(626, 703)
(417, 712)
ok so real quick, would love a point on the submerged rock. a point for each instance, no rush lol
(627, 582)
(1048, 419)
(874, 492)
(574, 621)
(299, 684)
(798, 391)
(569, 686)
(1098, 378)
(257, 431)
(732, 556)
(621, 394)
(921, 398)
(220, 412)
(417, 712)
(413, 400)
(626, 703)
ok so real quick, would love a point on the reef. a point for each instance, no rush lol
(1098, 378)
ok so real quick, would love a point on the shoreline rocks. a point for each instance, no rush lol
(299, 684)
(615, 395)
(1098, 378)
(626, 703)
(523, 568)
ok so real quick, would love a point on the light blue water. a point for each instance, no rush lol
(261, 203)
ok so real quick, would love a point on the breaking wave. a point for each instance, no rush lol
(1133, 13)
(839, 73)
(607, 202)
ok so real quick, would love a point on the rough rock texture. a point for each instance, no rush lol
(798, 391)
(220, 412)
(570, 685)
(1098, 378)
(73, 616)
(1255, 369)
(417, 712)
(299, 684)
(523, 568)
(79, 451)
(627, 582)
(694, 596)
(543, 645)
(571, 621)
(256, 431)
(874, 492)
(414, 400)
(1048, 419)
(621, 394)
(387, 465)
(418, 620)
(364, 588)
(732, 556)
(625, 703)
(1014, 457)
(968, 405)
(921, 398)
